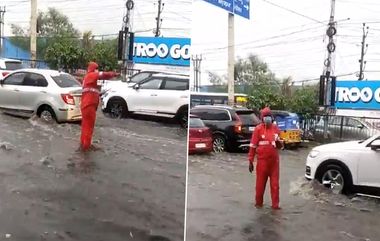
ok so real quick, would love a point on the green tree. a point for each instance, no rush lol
(304, 100)
(214, 78)
(105, 54)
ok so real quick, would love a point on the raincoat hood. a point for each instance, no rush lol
(92, 66)
(265, 112)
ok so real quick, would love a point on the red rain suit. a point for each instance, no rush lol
(263, 143)
(90, 102)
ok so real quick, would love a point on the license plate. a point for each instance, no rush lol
(200, 145)
(251, 128)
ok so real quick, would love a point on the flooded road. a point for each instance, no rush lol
(132, 188)
(221, 207)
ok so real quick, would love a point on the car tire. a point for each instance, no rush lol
(47, 115)
(336, 178)
(117, 109)
(183, 118)
(219, 143)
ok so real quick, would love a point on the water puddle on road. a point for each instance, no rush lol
(314, 191)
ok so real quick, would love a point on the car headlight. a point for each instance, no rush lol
(314, 153)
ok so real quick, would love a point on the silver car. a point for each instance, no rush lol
(49, 94)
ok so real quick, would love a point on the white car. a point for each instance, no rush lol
(50, 94)
(7, 66)
(158, 95)
(346, 167)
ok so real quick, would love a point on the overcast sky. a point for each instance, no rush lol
(299, 51)
(105, 16)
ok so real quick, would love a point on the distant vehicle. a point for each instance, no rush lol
(231, 127)
(205, 98)
(347, 128)
(289, 125)
(158, 95)
(7, 66)
(347, 166)
(49, 94)
(200, 137)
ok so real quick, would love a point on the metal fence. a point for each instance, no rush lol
(339, 128)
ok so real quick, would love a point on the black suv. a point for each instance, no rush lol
(232, 127)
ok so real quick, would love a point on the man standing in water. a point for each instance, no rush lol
(265, 142)
(90, 102)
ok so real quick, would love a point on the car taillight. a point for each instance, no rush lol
(238, 125)
(68, 99)
(5, 74)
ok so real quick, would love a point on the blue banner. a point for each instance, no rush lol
(162, 51)
(363, 95)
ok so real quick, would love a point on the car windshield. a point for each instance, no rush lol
(248, 117)
(196, 122)
(140, 77)
(13, 65)
(65, 81)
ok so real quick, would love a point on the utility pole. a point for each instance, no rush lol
(158, 18)
(364, 51)
(197, 71)
(326, 82)
(2, 12)
(125, 38)
(33, 33)
(231, 60)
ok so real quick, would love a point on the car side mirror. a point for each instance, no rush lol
(360, 126)
(375, 145)
(136, 86)
(1, 82)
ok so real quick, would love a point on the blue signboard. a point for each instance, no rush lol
(241, 8)
(238, 7)
(363, 95)
(162, 51)
(227, 5)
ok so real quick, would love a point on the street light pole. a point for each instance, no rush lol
(231, 59)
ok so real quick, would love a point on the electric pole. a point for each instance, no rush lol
(126, 35)
(2, 12)
(231, 60)
(158, 18)
(197, 71)
(33, 33)
(364, 50)
(327, 80)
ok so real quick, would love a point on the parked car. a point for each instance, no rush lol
(49, 94)
(158, 95)
(200, 137)
(231, 127)
(7, 66)
(347, 128)
(347, 166)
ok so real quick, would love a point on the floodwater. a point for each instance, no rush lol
(221, 206)
(131, 188)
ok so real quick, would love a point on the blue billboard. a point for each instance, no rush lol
(364, 95)
(162, 51)
(238, 7)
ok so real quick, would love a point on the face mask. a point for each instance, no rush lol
(267, 120)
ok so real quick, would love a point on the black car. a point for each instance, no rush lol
(232, 127)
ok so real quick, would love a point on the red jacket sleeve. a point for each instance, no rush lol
(254, 144)
(106, 75)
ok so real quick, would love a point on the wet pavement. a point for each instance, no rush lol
(133, 188)
(220, 204)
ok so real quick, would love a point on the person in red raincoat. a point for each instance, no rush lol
(90, 102)
(265, 143)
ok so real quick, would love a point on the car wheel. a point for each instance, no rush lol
(117, 109)
(219, 143)
(184, 118)
(47, 115)
(335, 178)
